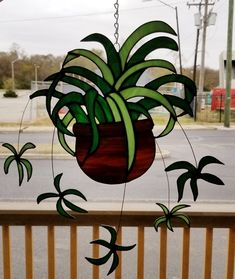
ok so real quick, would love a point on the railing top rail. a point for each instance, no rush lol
(28, 213)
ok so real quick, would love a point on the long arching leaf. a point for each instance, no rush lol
(45, 196)
(73, 206)
(181, 183)
(128, 127)
(20, 172)
(206, 160)
(100, 82)
(139, 68)
(10, 147)
(61, 210)
(28, 145)
(90, 99)
(138, 91)
(28, 167)
(113, 59)
(190, 87)
(181, 165)
(144, 30)
(7, 163)
(102, 66)
(61, 137)
(211, 178)
(149, 46)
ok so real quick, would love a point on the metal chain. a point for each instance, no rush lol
(116, 25)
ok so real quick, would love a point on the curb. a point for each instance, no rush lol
(45, 156)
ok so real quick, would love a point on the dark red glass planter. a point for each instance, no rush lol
(109, 163)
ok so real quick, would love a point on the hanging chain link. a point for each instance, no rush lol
(116, 25)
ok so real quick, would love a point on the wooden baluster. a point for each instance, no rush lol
(28, 252)
(208, 253)
(118, 271)
(51, 252)
(6, 252)
(73, 252)
(140, 262)
(231, 254)
(185, 256)
(95, 252)
(163, 253)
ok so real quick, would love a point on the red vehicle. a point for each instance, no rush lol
(218, 99)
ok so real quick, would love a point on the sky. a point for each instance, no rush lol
(56, 26)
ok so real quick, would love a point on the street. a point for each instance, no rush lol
(152, 186)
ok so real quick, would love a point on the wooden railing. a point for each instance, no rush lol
(208, 218)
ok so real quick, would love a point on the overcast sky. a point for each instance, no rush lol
(56, 26)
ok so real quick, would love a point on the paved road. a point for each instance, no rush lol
(151, 186)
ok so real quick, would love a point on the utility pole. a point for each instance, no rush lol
(202, 67)
(229, 65)
(205, 19)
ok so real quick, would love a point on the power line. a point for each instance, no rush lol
(76, 15)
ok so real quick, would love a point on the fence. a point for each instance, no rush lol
(208, 218)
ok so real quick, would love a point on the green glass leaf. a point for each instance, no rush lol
(184, 218)
(112, 246)
(114, 108)
(82, 85)
(136, 110)
(105, 107)
(28, 167)
(169, 127)
(115, 263)
(113, 59)
(142, 31)
(75, 193)
(46, 196)
(10, 147)
(194, 188)
(211, 178)
(51, 92)
(61, 210)
(206, 160)
(179, 207)
(61, 137)
(138, 91)
(57, 182)
(73, 206)
(99, 261)
(44, 93)
(8, 162)
(181, 183)
(164, 208)
(90, 99)
(20, 172)
(100, 82)
(189, 85)
(159, 221)
(180, 165)
(102, 66)
(169, 225)
(149, 46)
(180, 103)
(28, 145)
(130, 134)
(142, 67)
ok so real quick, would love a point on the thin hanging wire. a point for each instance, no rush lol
(191, 147)
(52, 154)
(21, 124)
(116, 25)
(167, 177)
